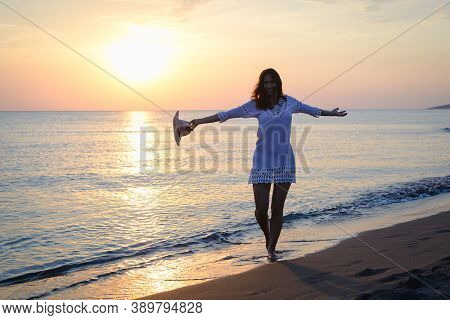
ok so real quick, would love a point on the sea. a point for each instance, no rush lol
(105, 205)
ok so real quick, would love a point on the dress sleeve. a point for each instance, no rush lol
(300, 107)
(244, 111)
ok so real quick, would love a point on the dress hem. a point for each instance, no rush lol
(275, 175)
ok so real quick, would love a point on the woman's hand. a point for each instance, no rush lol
(337, 113)
(193, 124)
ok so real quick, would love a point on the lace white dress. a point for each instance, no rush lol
(273, 158)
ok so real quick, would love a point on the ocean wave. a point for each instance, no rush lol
(231, 234)
(398, 193)
(172, 246)
(102, 276)
(84, 181)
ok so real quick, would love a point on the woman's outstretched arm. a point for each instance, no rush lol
(195, 122)
(333, 113)
(243, 111)
(316, 112)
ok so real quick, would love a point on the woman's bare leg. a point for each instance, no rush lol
(261, 192)
(280, 191)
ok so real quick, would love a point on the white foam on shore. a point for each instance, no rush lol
(380, 217)
(295, 241)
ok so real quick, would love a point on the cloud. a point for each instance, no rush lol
(375, 5)
(140, 2)
(189, 5)
(155, 11)
(444, 13)
(369, 5)
(180, 7)
(185, 7)
(14, 34)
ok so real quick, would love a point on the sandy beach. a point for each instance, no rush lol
(409, 260)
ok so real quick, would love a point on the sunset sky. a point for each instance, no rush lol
(208, 54)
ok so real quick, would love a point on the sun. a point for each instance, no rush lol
(141, 55)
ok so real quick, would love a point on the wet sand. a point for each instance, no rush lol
(409, 260)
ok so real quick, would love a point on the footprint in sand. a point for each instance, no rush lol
(401, 276)
(370, 272)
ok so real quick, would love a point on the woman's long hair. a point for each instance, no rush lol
(260, 95)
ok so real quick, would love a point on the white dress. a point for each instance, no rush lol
(273, 158)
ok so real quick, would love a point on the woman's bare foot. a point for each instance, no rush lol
(271, 255)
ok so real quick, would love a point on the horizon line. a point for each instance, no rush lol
(175, 110)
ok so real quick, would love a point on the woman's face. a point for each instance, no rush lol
(269, 85)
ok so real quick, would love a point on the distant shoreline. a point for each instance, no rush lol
(447, 106)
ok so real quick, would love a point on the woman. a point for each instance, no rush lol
(273, 158)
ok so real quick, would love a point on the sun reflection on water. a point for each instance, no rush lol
(132, 148)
